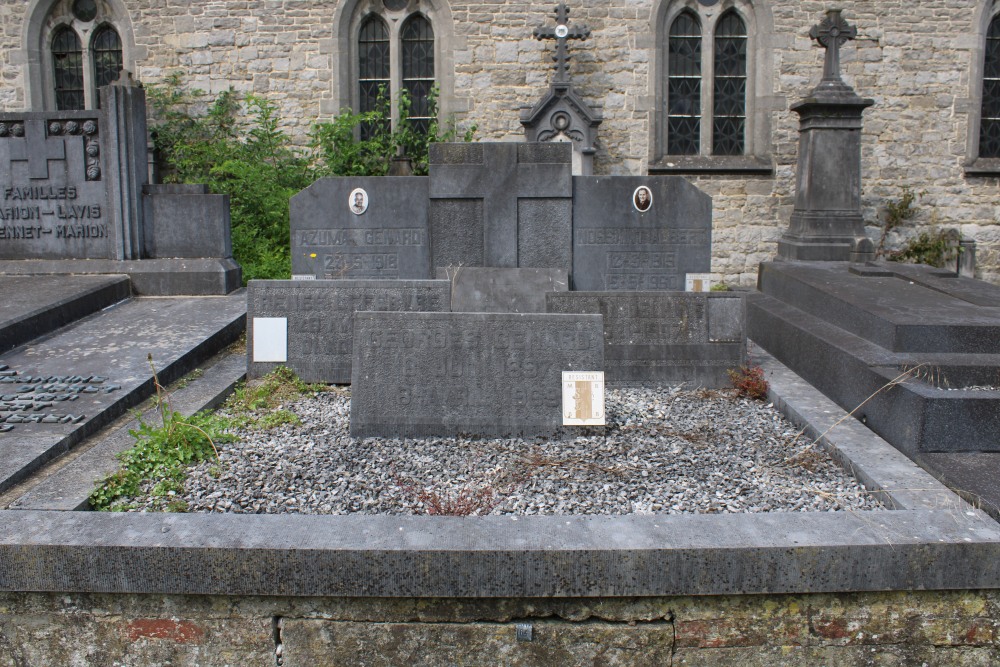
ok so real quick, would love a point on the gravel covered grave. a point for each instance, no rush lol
(664, 451)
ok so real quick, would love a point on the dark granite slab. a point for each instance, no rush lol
(498, 290)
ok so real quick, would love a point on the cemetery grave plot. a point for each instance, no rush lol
(665, 451)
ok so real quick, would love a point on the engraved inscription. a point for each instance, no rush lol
(26, 399)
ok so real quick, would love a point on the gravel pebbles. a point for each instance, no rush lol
(665, 451)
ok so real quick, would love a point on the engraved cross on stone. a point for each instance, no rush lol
(36, 149)
(561, 33)
(832, 33)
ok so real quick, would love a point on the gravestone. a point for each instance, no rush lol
(484, 374)
(490, 290)
(308, 325)
(664, 338)
(639, 233)
(371, 227)
(74, 199)
(501, 205)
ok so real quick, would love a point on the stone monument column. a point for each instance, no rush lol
(826, 224)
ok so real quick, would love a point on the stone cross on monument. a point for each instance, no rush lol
(561, 114)
(561, 33)
(826, 223)
(832, 33)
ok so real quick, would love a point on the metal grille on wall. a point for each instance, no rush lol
(67, 64)
(684, 86)
(106, 53)
(373, 68)
(417, 40)
(729, 89)
(989, 122)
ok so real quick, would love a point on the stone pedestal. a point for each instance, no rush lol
(826, 224)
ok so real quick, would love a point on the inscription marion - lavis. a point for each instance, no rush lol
(47, 204)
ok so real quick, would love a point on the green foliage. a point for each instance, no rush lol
(720, 287)
(237, 147)
(257, 403)
(160, 455)
(932, 249)
(897, 212)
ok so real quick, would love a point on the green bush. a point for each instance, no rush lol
(237, 147)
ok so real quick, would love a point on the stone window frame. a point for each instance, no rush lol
(344, 48)
(760, 100)
(43, 19)
(975, 165)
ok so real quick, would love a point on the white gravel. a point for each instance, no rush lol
(665, 451)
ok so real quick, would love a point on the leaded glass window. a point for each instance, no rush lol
(106, 54)
(374, 68)
(730, 86)
(989, 122)
(67, 65)
(684, 86)
(417, 41)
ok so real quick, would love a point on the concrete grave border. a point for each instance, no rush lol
(932, 540)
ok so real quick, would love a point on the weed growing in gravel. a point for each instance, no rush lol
(257, 403)
(161, 453)
(748, 381)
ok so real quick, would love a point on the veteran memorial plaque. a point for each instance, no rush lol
(638, 233)
(361, 228)
(315, 338)
(481, 374)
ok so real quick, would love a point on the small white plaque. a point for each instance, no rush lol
(698, 282)
(270, 339)
(583, 398)
(303, 276)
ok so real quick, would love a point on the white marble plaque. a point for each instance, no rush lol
(698, 282)
(270, 339)
(583, 398)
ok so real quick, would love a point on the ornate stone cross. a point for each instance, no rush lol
(832, 33)
(561, 33)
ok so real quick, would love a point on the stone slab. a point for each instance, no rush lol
(150, 277)
(114, 344)
(185, 224)
(496, 290)
(887, 308)
(484, 374)
(664, 337)
(501, 204)
(859, 375)
(618, 247)
(388, 240)
(974, 475)
(69, 488)
(36, 305)
(319, 318)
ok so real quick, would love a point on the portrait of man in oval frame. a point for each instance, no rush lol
(642, 198)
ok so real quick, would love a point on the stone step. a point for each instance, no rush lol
(918, 415)
(33, 306)
(900, 309)
(66, 386)
(69, 487)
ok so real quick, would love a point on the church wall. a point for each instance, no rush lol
(914, 59)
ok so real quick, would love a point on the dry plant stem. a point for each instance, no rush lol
(899, 379)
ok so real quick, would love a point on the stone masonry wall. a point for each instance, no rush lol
(914, 59)
(959, 628)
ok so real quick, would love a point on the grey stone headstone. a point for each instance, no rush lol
(618, 247)
(319, 318)
(486, 374)
(501, 205)
(666, 337)
(492, 290)
(388, 240)
(53, 195)
(185, 221)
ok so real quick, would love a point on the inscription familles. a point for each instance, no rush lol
(51, 204)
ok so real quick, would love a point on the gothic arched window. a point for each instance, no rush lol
(393, 60)
(74, 48)
(712, 69)
(989, 120)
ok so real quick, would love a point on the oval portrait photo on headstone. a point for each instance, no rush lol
(358, 201)
(642, 198)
